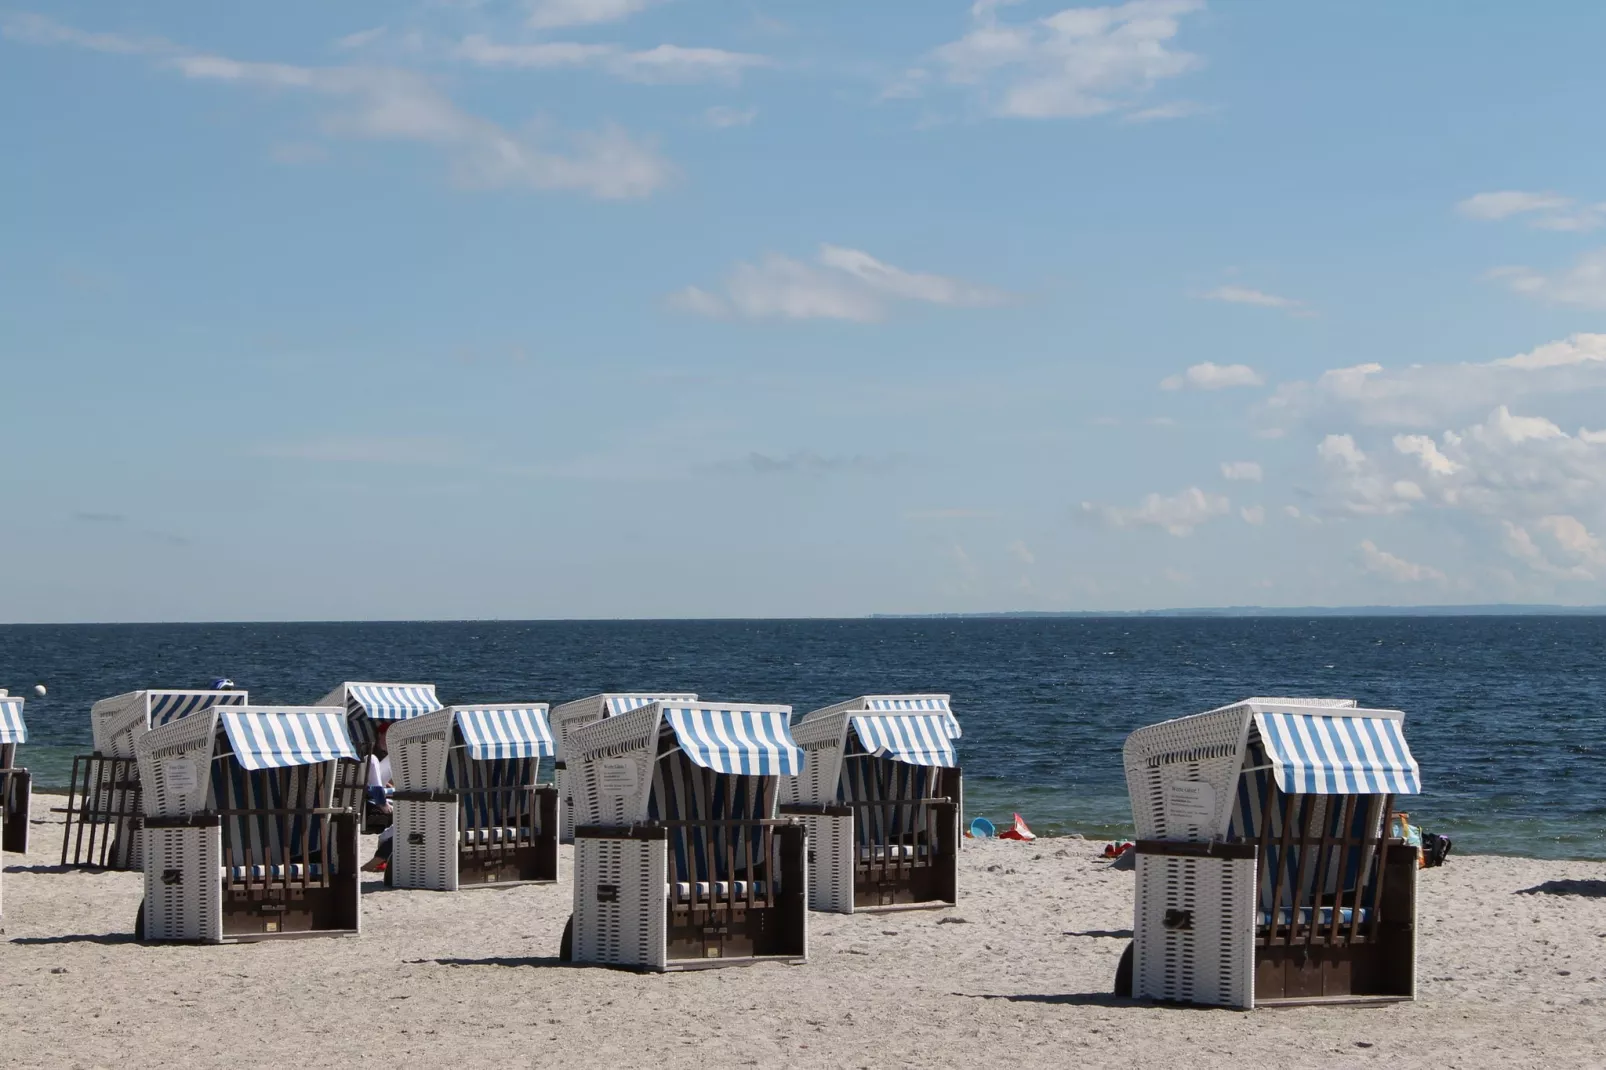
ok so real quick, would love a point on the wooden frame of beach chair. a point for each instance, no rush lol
(680, 861)
(241, 842)
(469, 810)
(880, 793)
(566, 718)
(16, 786)
(365, 703)
(1265, 872)
(102, 815)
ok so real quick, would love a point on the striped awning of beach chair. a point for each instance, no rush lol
(756, 742)
(264, 737)
(933, 703)
(505, 731)
(13, 729)
(916, 739)
(168, 706)
(622, 704)
(1334, 754)
(394, 702)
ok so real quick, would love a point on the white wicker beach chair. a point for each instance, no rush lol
(680, 860)
(469, 810)
(568, 717)
(16, 788)
(240, 840)
(1265, 871)
(102, 815)
(366, 706)
(880, 793)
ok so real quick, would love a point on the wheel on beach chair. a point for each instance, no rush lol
(566, 945)
(1123, 974)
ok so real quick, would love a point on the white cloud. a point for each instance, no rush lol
(1436, 395)
(1241, 470)
(1341, 449)
(1178, 514)
(553, 14)
(723, 116)
(1176, 109)
(1243, 295)
(385, 103)
(1077, 62)
(1574, 538)
(1022, 553)
(654, 66)
(1212, 376)
(1427, 451)
(1546, 211)
(841, 283)
(1253, 514)
(1387, 565)
(1516, 541)
(1583, 285)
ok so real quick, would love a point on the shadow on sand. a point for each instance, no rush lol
(1067, 999)
(1588, 889)
(78, 938)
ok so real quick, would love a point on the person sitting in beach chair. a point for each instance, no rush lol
(16, 787)
(569, 716)
(880, 793)
(371, 707)
(102, 814)
(241, 839)
(680, 860)
(469, 808)
(1265, 869)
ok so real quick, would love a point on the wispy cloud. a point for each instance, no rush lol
(1382, 563)
(841, 284)
(723, 116)
(366, 449)
(1582, 285)
(1176, 514)
(1077, 62)
(1241, 470)
(1243, 295)
(1212, 376)
(947, 514)
(387, 103)
(557, 14)
(1542, 210)
(807, 462)
(653, 66)
(86, 517)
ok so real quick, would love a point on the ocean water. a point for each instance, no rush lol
(1506, 715)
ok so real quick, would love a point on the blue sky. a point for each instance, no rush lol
(575, 308)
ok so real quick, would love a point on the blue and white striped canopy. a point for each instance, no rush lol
(621, 704)
(265, 737)
(168, 706)
(754, 742)
(394, 702)
(13, 729)
(911, 738)
(505, 731)
(934, 703)
(1330, 754)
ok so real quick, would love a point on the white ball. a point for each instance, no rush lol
(39, 689)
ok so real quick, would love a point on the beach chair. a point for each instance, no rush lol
(680, 861)
(240, 840)
(102, 815)
(469, 810)
(1265, 869)
(16, 788)
(366, 705)
(568, 717)
(880, 793)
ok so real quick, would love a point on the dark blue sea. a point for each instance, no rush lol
(1506, 715)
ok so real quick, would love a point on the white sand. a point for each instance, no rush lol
(471, 979)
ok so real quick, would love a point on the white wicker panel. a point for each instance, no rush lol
(1207, 953)
(630, 929)
(1205, 749)
(564, 720)
(111, 715)
(632, 736)
(183, 884)
(822, 740)
(830, 863)
(424, 849)
(189, 740)
(418, 751)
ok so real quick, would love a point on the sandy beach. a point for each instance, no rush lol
(1512, 973)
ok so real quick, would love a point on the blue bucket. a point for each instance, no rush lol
(982, 829)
